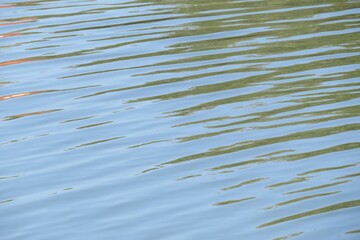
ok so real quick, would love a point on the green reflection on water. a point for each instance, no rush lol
(334, 207)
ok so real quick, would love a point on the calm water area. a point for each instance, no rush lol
(179, 119)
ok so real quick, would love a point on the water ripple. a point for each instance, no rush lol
(141, 119)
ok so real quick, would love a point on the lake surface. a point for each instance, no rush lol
(179, 120)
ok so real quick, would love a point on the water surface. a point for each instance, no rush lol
(183, 119)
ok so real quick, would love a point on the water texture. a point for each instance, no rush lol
(179, 120)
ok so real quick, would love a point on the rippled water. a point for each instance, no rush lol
(179, 119)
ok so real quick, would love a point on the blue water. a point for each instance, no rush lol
(176, 120)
